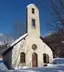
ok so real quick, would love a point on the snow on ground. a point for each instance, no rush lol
(54, 68)
(45, 69)
(3, 67)
(49, 68)
(59, 60)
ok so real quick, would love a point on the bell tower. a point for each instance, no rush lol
(32, 20)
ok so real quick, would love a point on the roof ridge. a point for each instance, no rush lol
(17, 40)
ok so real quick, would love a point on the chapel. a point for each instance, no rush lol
(30, 49)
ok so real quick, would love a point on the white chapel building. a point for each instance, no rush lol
(30, 49)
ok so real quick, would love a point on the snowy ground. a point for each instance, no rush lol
(50, 68)
(58, 67)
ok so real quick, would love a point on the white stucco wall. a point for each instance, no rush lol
(26, 47)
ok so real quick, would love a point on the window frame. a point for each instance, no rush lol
(22, 57)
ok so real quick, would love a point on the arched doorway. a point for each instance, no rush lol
(45, 58)
(34, 60)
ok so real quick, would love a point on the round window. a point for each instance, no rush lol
(34, 46)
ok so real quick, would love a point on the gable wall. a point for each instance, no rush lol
(26, 47)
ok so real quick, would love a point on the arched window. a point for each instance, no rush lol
(45, 58)
(22, 57)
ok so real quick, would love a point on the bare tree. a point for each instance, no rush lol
(56, 10)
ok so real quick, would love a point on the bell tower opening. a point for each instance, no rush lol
(33, 11)
(33, 23)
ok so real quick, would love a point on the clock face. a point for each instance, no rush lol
(34, 46)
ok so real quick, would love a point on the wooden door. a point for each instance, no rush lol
(34, 60)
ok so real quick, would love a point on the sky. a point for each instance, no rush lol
(15, 10)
